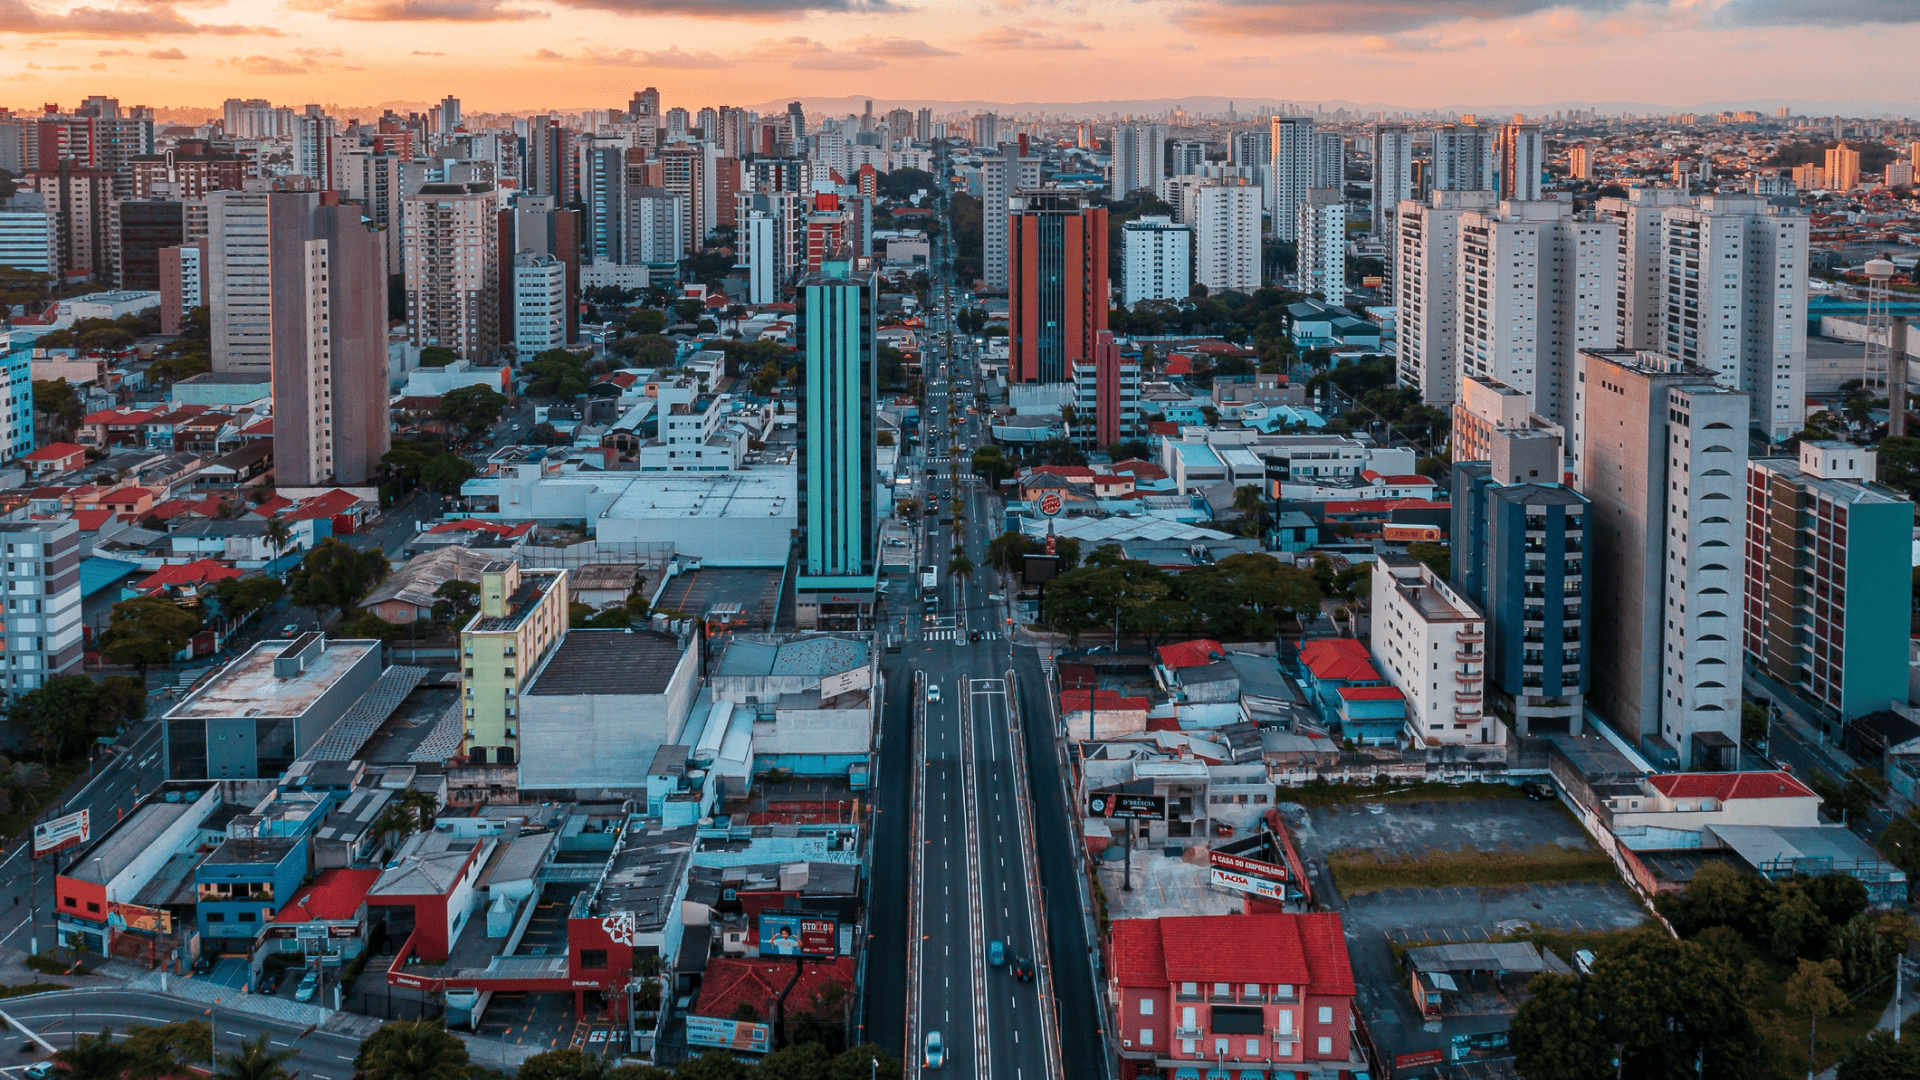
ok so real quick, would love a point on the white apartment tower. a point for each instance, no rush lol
(1294, 172)
(539, 304)
(1321, 244)
(450, 253)
(1521, 162)
(1430, 642)
(240, 275)
(313, 147)
(1664, 460)
(1425, 289)
(1156, 260)
(1736, 294)
(1392, 176)
(1640, 295)
(1534, 287)
(1001, 175)
(1463, 158)
(1226, 236)
(1138, 158)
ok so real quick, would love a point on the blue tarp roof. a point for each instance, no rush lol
(97, 573)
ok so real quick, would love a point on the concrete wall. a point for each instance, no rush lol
(601, 740)
(732, 541)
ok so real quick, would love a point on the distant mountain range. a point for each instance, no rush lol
(1213, 104)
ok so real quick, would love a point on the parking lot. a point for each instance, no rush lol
(1375, 920)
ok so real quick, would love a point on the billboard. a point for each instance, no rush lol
(1243, 865)
(135, 917)
(1247, 883)
(61, 833)
(729, 1034)
(1117, 804)
(799, 933)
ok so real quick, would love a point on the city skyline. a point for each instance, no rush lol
(1417, 54)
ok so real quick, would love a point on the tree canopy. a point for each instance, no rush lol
(336, 575)
(148, 630)
(472, 408)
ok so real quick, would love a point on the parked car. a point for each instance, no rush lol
(40, 1070)
(309, 986)
(936, 1050)
(996, 952)
(1537, 790)
(269, 982)
(203, 965)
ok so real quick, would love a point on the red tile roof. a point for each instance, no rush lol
(476, 525)
(1339, 658)
(54, 452)
(170, 509)
(1162, 427)
(1078, 701)
(1370, 693)
(273, 505)
(198, 572)
(91, 520)
(1196, 653)
(337, 501)
(335, 894)
(1179, 365)
(1727, 786)
(1139, 470)
(1365, 506)
(729, 981)
(117, 418)
(1304, 950)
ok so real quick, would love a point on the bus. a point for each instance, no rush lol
(930, 582)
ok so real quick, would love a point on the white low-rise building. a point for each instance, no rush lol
(1431, 644)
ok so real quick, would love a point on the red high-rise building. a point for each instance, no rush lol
(1057, 291)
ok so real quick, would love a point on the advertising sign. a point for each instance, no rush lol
(135, 917)
(798, 933)
(1243, 865)
(1115, 804)
(1419, 1058)
(1050, 503)
(61, 833)
(729, 1034)
(1247, 883)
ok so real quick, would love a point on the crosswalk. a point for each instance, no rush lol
(961, 635)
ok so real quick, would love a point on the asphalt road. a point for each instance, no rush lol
(318, 1055)
(131, 768)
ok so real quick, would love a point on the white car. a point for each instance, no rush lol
(933, 693)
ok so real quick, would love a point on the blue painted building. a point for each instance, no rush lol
(1519, 554)
(839, 527)
(16, 403)
(1828, 551)
(245, 882)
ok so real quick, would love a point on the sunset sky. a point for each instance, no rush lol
(529, 54)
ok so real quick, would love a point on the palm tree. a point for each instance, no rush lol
(412, 1050)
(94, 1057)
(254, 1062)
(278, 535)
(961, 566)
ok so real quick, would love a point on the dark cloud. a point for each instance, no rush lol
(478, 11)
(17, 16)
(1820, 12)
(738, 9)
(1240, 17)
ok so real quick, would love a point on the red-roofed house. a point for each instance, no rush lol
(184, 582)
(1339, 678)
(130, 501)
(114, 427)
(1239, 996)
(54, 459)
(1196, 653)
(728, 983)
(1141, 471)
(343, 509)
(1178, 365)
(337, 899)
(1110, 713)
(1162, 429)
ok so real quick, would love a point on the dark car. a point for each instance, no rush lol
(973, 635)
(1537, 790)
(269, 982)
(1023, 968)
